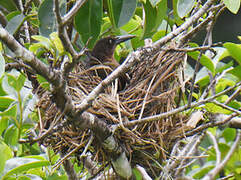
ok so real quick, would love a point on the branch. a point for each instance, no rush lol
(211, 175)
(158, 44)
(64, 103)
(73, 11)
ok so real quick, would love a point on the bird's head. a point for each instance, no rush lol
(105, 47)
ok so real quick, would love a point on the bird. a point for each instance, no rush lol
(103, 54)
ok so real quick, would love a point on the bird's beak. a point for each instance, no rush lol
(120, 39)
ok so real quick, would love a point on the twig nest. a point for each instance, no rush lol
(154, 88)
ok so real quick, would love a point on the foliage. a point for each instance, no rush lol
(95, 19)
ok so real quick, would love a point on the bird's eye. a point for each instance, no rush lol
(110, 41)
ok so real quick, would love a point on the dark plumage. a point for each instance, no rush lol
(103, 54)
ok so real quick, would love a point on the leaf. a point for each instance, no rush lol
(20, 82)
(204, 60)
(234, 50)
(5, 102)
(43, 82)
(11, 135)
(47, 17)
(3, 124)
(232, 5)
(11, 111)
(88, 21)
(229, 134)
(15, 23)
(2, 65)
(10, 5)
(44, 41)
(213, 108)
(57, 42)
(236, 72)
(121, 11)
(154, 2)
(5, 154)
(20, 165)
(184, 7)
(153, 17)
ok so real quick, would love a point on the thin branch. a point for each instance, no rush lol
(211, 175)
(73, 11)
(62, 31)
(215, 143)
(3, 19)
(158, 44)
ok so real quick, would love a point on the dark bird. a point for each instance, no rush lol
(103, 54)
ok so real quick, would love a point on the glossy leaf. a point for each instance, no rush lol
(5, 102)
(11, 111)
(3, 124)
(10, 5)
(20, 82)
(44, 41)
(213, 108)
(236, 72)
(229, 134)
(20, 165)
(2, 65)
(204, 60)
(232, 5)
(47, 18)
(154, 2)
(184, 7)
(15, 23)
(5, 154)
(88, 21)
(121, 11)
(153, 17)
(57, 42)
(11, 135)
(234, 50)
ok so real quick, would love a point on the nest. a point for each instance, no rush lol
(154, 88)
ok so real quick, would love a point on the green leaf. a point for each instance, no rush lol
(5, 154)
(229, 134)
(88, 21)
(2, 65)
(121, 11)
(153, 17)
(234, 50)
(10, 5)
(232, 5)
(223, 83)
(11, 111)
(20, 82)
(3, 124)
(154, 2)
(43, 82)
(184, 7)
(20, 165)
(236, 72)
(5, 102)
(222, 66)
(44, 41)
(57, 42)
(47, 17)
(11, 135)
(198, 173)
(213, 108)
(15, 23)
(204, 60)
